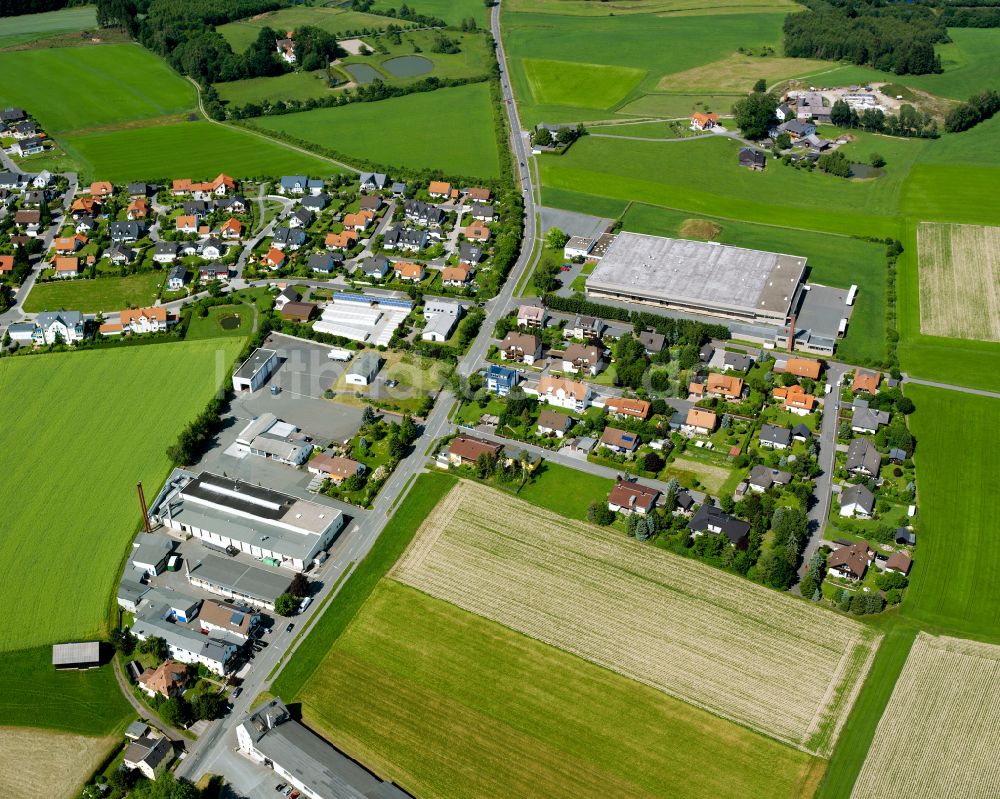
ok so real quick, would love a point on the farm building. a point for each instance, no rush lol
(699, 277)
(255, 370)
(83, 655)
(266, 524)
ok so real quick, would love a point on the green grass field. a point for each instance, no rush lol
(75, 88)
(606, 8)
(955, 585)
(31, 27)
(565, 490)
(211, 326)
(424, 494)
(449, 704)
(242, 34)
(450, 130)
(582, 85)
(199, 149)
(33, 694)
(856, 736)
(673, 106)
(833, 261)
(66, 555)
(290, 86)
(451, 11)
(102, 294)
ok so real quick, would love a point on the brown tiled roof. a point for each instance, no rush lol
(900, 561)
(803, 367)
(865, 380)
(553, 420)
(439, 187)
(478, 193)
(699, 417)
(575, 389)
(477, 231)
(408, 270)
(626, 406)
(623, 439)
(469, 449)
(631, 495)
(298, 310)
(727, 385)
(334, 465)
(523, 342)
(168, 675)
(66, 263)
(854, 558)
(459, 273)
(6, 263)
(158, 313)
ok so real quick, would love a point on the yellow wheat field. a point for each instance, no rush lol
(773, 663)
(939, 737)
(54, 765)
(959, 280)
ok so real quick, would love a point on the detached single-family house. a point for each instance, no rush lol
(699, 422)
(335, 468)
(410, 272)
(293, 184)
(587, 358)
(232, 228)
(177, 278)
(711, 520)
(866, 380)
(220, 187)
(358, 222)
(899, 562)
(857, 501)
(465, 450)
(165, 252)
(736, 362)
(700, 121)
(762, 477)
(478, 194)
(169, 679)
(315, 202)
(622, 441)
(626, 407)
(28, 221)
(456, 276)
(524, 347)
(795, 399)
(145, 320)
(52, 326)
(865, 419)
(553, 423)
(628, 498)
(149, 756)
(477, 231)
(31, 145)
(137, 209)
(587, 327)
(752, 159)
(213, 248)
(483, 213)
(797, 129)
(125, 232)
(285, 296)
(285, 49)
(421, 213)
(410, 239)
(66, 266)
(370, 202)
(850, 562)
(439, 188)
(531, 316)
(301, 218)
(500, 380)
(186, 224)
(652, 342)
(563, 393)
(725, 386)
(85, 206)
(214, 271)
(321, 262)
(375, 267)
(774, 437)
(372, 181)
(67, 245)
(274, 259)
(287, 238)
(800, 367)
(863, 458)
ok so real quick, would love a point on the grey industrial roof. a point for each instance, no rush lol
(699, 273)
(230, 574)
(131, 591)
(81, 652)
(212, 646)
(257, 360)
(256, 426)
(366, 364)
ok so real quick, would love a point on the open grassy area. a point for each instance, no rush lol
(451, 11)
(86, 87)
(956, 582)
(583, 85)
(67, 555)
(45, 763)
(101, 294)
(448, 704)
(223, 321)
(564, 490)
(450, 130)
(290, 86)
(198, 149)
(241, 34)
(33, 694)
(31, 27)
(738, 73)
(658, 7)
(424, 494)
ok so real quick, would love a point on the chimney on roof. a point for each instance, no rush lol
(791, 333)
(145, 510)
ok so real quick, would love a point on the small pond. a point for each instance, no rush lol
(865, 171)
(362, 73)
(230, 322)
(408, 66)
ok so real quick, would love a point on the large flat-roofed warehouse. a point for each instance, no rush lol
(699, 277)
(266, 524)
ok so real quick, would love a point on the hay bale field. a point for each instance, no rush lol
(940, 734)
(959, 280)
(38, 764)
(763, 659)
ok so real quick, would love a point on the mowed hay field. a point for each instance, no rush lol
(959, 281)
(31, 27)
(450, 705)
(757, 657)
(450, 130)
(940, 735)
(584, 85)
(38, 764)
(89, 296)
(89, 426)
(73, 88)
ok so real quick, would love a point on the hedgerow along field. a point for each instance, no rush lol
(450, 130)
(40, 763)
(196, 149)
(940, 734)
(955, 586)
(101, 294)
(31, 27)
(959, 281)
(106, 416)
(450, 705)
(74, 88)
(775, 664)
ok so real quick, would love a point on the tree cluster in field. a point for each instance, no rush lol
(197, 435)
(860, 603)
(909, 122)
(125, 781)
(889, 37)
(755, 114)
(675, 331)
(564, 137)
(834, 163)
(404, 12)
(976, 109)
(812, 580)
(981, 17)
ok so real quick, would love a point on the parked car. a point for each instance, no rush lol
(288, 629)
(280, 786)
(237, 692)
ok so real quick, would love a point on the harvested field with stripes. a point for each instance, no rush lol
(763, 659)
(939, 737)
(959, 280)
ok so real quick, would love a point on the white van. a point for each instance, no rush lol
(304, 604)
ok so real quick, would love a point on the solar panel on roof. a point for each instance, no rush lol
(237, 618)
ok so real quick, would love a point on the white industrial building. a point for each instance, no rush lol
(277, 528)
(361, 317)
(363, 369)
(441, 316)
(255, 370)
(268, 437)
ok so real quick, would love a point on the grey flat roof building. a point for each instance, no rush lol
(229, 577)
(698, 276)
(82, 655)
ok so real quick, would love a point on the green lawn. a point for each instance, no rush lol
(974, 147)
(451, 11)
(679, 105)
(938, 192)
(198, 149)
(833, 261)
(242, 34)
(30, 27)
(565, 490)
(584, 85)
(955, 584)
(211, 326)
(66, 555)
(448, 704)
(33, 694)
(424, 494)
(856, 737)
(73, 88)
(290, 86)
(101, 294)
(450, 130)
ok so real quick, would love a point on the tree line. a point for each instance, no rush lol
(981, 17)
(976, 109)
(891, 38)
(909, 122)
(14, 8)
